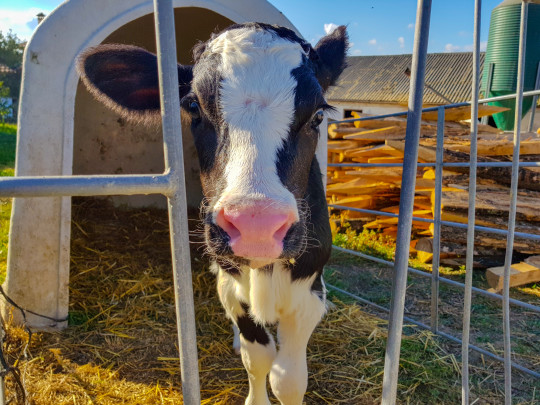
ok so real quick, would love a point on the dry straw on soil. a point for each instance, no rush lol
(121, 345)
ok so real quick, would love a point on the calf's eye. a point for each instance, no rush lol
(195, 110)
(317, 119)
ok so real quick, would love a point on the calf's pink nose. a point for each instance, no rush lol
(256, 231)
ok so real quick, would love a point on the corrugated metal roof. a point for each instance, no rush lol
(382, 79)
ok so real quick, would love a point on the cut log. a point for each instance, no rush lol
(520, 274)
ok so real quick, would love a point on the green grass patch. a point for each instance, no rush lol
(8, 144)
(5, 215)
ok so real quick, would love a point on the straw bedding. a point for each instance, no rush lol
(121, 345)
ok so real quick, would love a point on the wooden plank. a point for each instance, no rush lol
(360, 186)
(386, 159)
(379, 134)
(464, 113)
(374, 151)
(529, 179)
(520, 274)
(499, 149)
(341, 146)
(374, 171)
(495, 201)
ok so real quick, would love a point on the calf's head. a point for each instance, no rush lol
(254, 102)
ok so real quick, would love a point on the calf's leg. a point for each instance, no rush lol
(289, 376)
(257, 346)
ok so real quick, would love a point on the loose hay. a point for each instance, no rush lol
(121, 345)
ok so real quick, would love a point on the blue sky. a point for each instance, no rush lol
(376, 27)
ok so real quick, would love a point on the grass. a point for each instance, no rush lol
(8, 141)
(373, 281)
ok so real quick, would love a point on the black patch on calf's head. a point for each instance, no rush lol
(317, 230)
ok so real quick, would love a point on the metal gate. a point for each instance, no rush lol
(399, 283)
(170, 183)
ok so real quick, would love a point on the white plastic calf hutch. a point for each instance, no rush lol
(64, 131)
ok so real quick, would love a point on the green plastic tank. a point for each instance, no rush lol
(502, 51)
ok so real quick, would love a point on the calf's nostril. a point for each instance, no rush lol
(225, 222)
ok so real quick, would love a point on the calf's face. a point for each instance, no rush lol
(254, 102)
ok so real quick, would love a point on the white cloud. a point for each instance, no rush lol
(452, 48)
(356, 52)
(372, 41)
(465, 48)
(329, 28)
(401, 41)
(410, 26)
(483, 46)
(21, 22)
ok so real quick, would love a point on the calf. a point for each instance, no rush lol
(254, 100)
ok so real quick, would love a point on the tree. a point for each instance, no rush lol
(11, 50)
(11, 54)
(5, 103)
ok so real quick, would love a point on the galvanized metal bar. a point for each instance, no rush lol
(439, 333)
(513, 205)
(84, 185)
(412, 137)
(174, 160)
(535, 98)
(489, 83)
(472, 208)
(446, 223)
(443, 280)
(437, 222)
(462, 104)
(457, 164)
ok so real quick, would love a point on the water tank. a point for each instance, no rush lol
(502, 51)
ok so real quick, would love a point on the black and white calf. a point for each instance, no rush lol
(254, 100)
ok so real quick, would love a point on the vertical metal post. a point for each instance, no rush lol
(437, 222)
(174, 162)
(513, 203)
(485, 118)
(412, 136)
(472, 208)
(535, 98)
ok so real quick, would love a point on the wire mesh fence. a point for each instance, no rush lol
(403, 238)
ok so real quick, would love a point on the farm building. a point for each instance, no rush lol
(375, 85)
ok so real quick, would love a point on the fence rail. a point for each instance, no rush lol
(169, 184)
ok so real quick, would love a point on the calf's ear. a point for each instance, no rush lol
(125, 79)
(331, 51)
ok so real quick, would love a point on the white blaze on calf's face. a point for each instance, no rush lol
(256, 100)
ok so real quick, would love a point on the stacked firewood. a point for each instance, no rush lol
(378, 188)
